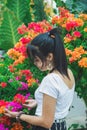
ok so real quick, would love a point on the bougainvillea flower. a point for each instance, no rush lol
(24, 86)
(3, 84)
(25, 40)
(5, 120)
(19, 98)
(22, 29)
(85, 29)
(83, 62)
(11, 68)
(71, 25)
(17, 126)
(14, 106)
(2, 127)
(31, 81)
(77, 34)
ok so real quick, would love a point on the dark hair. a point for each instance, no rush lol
(49, 42)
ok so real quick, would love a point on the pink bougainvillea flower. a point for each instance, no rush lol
(17, 77)
(2, 127)
(25, 40)
(27, 95)
(14, 106)
(10, 80)
(77, 34)
(24, 86)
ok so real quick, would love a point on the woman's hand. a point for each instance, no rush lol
(30, 103)
(10, 113)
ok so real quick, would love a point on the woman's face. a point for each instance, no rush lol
(41, 65)
(44, 66)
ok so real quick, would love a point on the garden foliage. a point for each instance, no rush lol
(20, 78)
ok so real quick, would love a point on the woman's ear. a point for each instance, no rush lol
(50, 57)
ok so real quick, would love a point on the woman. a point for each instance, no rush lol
(55, 94)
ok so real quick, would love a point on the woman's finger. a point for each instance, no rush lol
(6, 114)
(6, 110)
(25, 105)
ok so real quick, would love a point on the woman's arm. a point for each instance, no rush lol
(47, 117)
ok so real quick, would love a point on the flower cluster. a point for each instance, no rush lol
(75, 33)
(15, 105)
(18, 53)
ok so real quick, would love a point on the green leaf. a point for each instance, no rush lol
(76, 6)
(16, 12)
(19, 7)
(8, 31)
(39, 12)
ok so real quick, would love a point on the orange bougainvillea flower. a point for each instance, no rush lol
(67, 40)
(17, 126)
(76, 54)
(13, 54)
(68, 52)
(83, 16)
(18, 44)
(20, 60)
(31, 81)
(83, 62)
(2, 109)
(85, 29)
(79, 21)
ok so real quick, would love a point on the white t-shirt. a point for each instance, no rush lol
(54, 86)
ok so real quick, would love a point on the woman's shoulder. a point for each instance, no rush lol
(51, 77)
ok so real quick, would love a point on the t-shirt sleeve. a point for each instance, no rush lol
(48, 87)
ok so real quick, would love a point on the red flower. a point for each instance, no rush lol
(71, 25)
(5, 120)
(3, 84)
(77, 34)
(3, 103)
(22, 29)
(69, 36)
(25, 40)
(71, 60)
(19, 98)
(11, 68)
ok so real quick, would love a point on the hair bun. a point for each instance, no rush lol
(55, 30)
